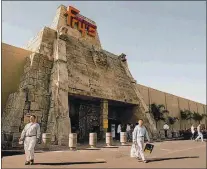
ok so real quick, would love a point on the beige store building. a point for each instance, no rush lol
(65, 78)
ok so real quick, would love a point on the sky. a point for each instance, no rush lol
(165, 41)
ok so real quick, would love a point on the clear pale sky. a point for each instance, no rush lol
(165, 42)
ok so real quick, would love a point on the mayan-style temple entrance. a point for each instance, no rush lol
(86, 116)
(89, 120)
(68, 61)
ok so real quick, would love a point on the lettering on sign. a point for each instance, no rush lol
(84, 25)
(105, 123)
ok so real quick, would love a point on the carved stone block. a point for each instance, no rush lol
(122, 57)
(62, 32)
(34, 106)
(100, 58)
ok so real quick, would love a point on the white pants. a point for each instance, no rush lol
(140, 148)
(29, 145)
(200, 135)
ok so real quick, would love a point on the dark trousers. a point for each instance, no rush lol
(128, 136)
(193, 136)
(117, 136)
(165, 133)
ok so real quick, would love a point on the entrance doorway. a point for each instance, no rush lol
(85, 116)
(119, 113)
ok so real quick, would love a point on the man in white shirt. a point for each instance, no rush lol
(30, 135)
(118, 131)
(200, 135)
(193, 132)
(166, 128)
(139, 134)
(128, 130)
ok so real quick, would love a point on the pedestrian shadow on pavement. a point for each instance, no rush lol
(171, 158)
(72, 163)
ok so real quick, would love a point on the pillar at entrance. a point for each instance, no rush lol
(104, 117)
(58, 120)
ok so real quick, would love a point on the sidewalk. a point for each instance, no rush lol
(83, 146)
(39, 148)
(179, 154)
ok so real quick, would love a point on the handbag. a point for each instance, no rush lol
(148, 148)
(133, 152)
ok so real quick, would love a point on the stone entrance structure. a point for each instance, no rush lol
(85, 115)
(64, 67)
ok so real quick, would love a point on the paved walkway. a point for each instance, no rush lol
(168, 154)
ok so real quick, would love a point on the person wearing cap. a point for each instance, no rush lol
(30, 135)
(139, 133)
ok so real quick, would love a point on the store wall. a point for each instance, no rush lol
(13, 60)
(173, 104)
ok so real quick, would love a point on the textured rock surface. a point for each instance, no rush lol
(65, 64)
(33, 95)
(97, 73)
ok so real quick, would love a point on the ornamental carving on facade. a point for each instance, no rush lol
(100, 58)
(62, 32)
(122, 57)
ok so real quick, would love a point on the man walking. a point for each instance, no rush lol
(139, 134)
(128, 129)
(30, 135)
(193, 132)
(118, 131)
(200, 135)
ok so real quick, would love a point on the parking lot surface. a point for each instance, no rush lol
(167, 154)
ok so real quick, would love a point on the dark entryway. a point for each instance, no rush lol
(119, 113)
(85, 116)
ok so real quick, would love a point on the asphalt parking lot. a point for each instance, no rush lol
(167, 154)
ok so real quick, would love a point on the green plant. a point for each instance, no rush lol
(186, 115)
(189, 114)
(183, 115)
(172, 120)
(198, 117)
(158, 111)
